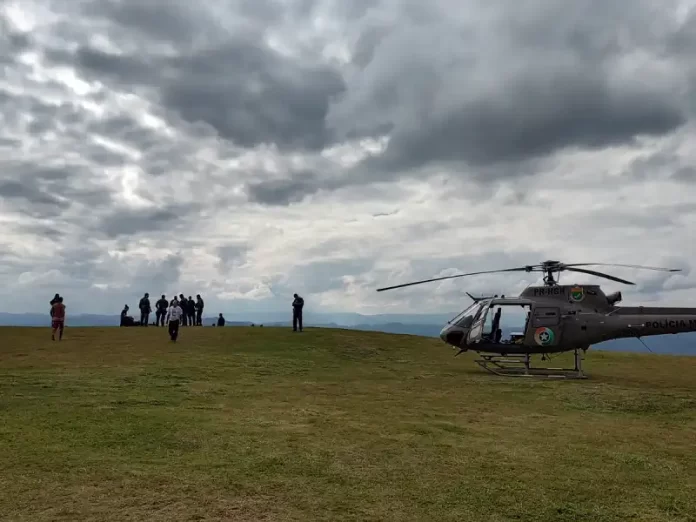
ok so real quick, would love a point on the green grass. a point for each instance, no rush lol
(263, 424)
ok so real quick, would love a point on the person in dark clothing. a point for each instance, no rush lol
(221, 320)
(126, 320)
(297, 306)
(182, 305)
(199, 310)
(161, 310)
(191, 311)
(53, 301)
(145, 309)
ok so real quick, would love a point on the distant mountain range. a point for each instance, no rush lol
(268, 318)
(426, 325)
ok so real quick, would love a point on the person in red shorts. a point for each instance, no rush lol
(57, 319)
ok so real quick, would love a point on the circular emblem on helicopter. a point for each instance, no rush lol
(544, 336)
(577, 294)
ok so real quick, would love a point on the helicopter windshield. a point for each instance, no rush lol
(466, 318)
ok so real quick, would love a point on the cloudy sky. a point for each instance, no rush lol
(248, 149)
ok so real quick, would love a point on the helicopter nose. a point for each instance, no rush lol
(452, 336)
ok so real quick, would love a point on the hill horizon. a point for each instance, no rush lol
(422, 325)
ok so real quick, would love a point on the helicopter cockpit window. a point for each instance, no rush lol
(506, 323)
(468, 316)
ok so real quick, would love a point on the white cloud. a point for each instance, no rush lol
(366, 145)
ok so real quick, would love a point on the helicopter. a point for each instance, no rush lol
(559, 318)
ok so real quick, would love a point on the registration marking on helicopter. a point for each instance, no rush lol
(549, 290)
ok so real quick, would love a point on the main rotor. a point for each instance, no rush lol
(548, 268)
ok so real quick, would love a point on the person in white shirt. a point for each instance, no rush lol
(173, 318)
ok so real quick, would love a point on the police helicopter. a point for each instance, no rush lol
(558, 318)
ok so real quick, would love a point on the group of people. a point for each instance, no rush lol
(175, 313)
(192, 311)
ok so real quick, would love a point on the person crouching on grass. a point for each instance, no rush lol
(174, 315)
(57, 319)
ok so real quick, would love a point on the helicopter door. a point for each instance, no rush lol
(476, 331)
(545, 326)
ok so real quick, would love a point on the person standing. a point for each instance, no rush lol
(199, 310)
(190, 310)
(182, 304)
(52, 302)
(297, 305)
(145, 310)
(174, 315)
(57, 319)
(221, 320)
(161, 310)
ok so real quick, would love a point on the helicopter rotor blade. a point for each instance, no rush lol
(659, 269)
(600, 274)
(521, 269)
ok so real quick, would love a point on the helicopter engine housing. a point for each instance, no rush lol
(614, 298)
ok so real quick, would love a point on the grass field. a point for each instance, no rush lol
(263, 424)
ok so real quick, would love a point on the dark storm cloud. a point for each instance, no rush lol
(685, 173)
(284, 191)
(44, 191)
(175, 21)
(297, 185)
(683, 40)
(37, 229)
(653, 166)
(664, 164)
(231, 255)
(134, 222)
(547, 80)
(47, 204)
(11, 42)
(84, 261)
(541, 78)
(158, 156)
(525, 122)
(184, 23)
(126, 130)
(40, 192)
(36, 185)
(553, 78)
(243, 89)
(491, 94)
(593, 118)
(260, 98)
(44, 116)
(155, 275)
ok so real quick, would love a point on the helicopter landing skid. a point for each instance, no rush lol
(520, 366)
